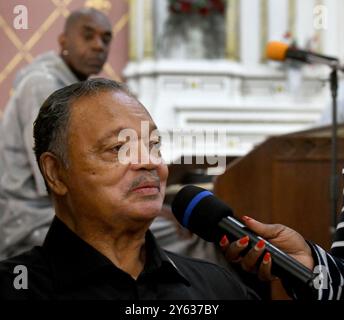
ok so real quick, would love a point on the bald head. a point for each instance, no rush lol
(85, 42)
(80, 14)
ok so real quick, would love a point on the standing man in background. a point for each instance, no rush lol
(84, 48)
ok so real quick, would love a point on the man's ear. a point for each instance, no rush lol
(53, 173)
(62, 41)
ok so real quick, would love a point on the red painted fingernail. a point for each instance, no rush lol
(244, 241)
(223, 241)
(260, 245)
(246, 218)
(267, 257)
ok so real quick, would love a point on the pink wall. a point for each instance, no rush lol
(45, 13)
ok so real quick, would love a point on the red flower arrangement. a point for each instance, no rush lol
(201, 7)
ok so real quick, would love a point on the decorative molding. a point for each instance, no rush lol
(292, 17)
(233, 30)
(101, 5)
(19, 51)
(24, 48)
(132, 30)
(264, 28)
(11, 35)
(10, 66)
(111, 72)
(148, 47)
(61, 9)
(120, 24)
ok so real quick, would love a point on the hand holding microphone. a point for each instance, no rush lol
(286, 239)
(202, 213)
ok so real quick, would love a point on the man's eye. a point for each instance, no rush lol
(106, 40)
(155, 144)
(116, 148)
(88, 36)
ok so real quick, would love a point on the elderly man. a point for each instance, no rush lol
(105, 196)
(84, 47)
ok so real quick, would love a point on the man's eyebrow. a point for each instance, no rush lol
(115, 133)
(88, 27)
(111, 134)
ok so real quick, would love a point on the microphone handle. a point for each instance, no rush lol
(312, 58)
(283, 265)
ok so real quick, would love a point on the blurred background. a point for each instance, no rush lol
(198, 64)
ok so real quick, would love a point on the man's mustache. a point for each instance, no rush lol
(147, 178)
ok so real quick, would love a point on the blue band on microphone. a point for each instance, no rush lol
(192, 205)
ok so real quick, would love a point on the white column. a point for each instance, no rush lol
(340, 29)
(136, 44)
(304, 21)
(278, 19)
(332, 33)
(142, 51)
(148, 29)
(140, 29)
(141, 32)
(132, 30)
(249, 29)
(233, 30)
(161, 15)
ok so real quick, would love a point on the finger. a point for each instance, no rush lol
(264, 230)
(224, 243)
(249, 262)
(233, 251)
(264, 272)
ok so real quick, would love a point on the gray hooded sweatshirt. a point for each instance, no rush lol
(26, 205)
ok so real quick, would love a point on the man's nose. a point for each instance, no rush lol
(145, 159)
(144, 165)
(98, 44)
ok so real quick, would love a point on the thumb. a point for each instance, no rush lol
(266, 231)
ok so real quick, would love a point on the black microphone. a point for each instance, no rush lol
(280, 51)
(202, 213)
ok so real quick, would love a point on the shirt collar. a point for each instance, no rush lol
(66, 74)
(158, 258)
(73, 259)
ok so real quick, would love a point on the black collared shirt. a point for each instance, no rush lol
(66, 267)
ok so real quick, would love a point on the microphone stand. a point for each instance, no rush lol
(335, 66)
(334, 148)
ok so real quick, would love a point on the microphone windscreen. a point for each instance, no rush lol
(276, 50)
(200, 211)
